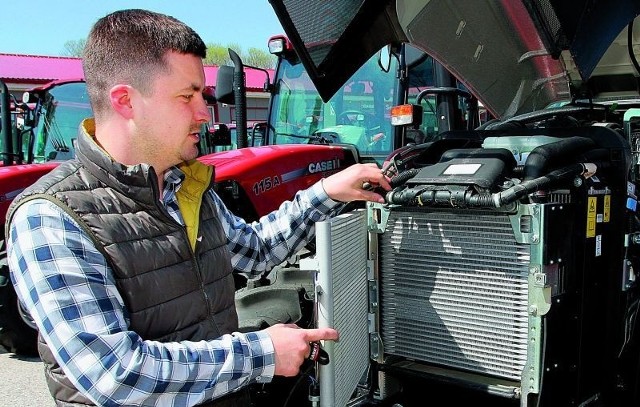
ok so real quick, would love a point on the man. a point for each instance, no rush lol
(124, 255)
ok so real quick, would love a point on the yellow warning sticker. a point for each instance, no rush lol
(607, 208)
(592, 204)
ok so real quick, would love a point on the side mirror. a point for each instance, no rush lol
(384, 58)
(219, 135)
(257, 133)
(224, 85)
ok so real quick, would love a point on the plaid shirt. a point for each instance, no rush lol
(71, 294)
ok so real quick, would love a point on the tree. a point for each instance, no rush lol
(259, 58)
(218, 54)
(73, 48)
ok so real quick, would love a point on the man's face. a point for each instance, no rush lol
(169, 118)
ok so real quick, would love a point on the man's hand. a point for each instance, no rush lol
(356, 183)
(291, 344)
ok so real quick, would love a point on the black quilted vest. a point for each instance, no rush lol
(171, 290)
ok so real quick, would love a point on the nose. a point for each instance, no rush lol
(201, 111)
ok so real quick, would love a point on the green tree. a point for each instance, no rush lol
(73, 48)
(259, 58)
(218, 54)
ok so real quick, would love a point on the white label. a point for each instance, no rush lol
(462, 169)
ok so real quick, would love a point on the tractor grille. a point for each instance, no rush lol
(454, 290)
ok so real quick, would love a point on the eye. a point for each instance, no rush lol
(188, 97)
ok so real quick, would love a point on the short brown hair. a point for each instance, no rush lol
(128, 46)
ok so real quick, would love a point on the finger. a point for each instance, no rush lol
(317, 334)
(377, 179)
(370, 188)
(382, 181)
(372, 196)
(374, 182)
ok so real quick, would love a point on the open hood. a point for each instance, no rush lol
(516, 56)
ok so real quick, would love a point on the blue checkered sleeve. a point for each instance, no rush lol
(69, 290)
(257, 247)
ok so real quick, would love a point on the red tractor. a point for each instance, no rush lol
(37, 134)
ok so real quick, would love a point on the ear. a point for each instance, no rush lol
(120, 97)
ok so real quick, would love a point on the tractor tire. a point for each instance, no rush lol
(15, 334)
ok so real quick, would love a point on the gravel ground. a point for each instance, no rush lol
(22, 381)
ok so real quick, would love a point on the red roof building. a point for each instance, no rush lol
(28, 70)
(22, 72)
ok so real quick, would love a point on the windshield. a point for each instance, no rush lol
(65, 106)
(357, 114)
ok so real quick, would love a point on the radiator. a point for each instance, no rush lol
(342, 303)
(454, 291)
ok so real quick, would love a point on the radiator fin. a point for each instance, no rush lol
(454, 290)
(341, 291)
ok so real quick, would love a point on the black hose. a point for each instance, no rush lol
(538, 115)
(547, 156)
(403, 177)
(529, 186)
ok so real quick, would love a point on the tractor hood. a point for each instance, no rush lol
(515, 56)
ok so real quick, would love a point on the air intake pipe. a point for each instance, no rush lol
(550, 155)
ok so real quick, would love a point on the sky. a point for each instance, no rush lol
(42, 27)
